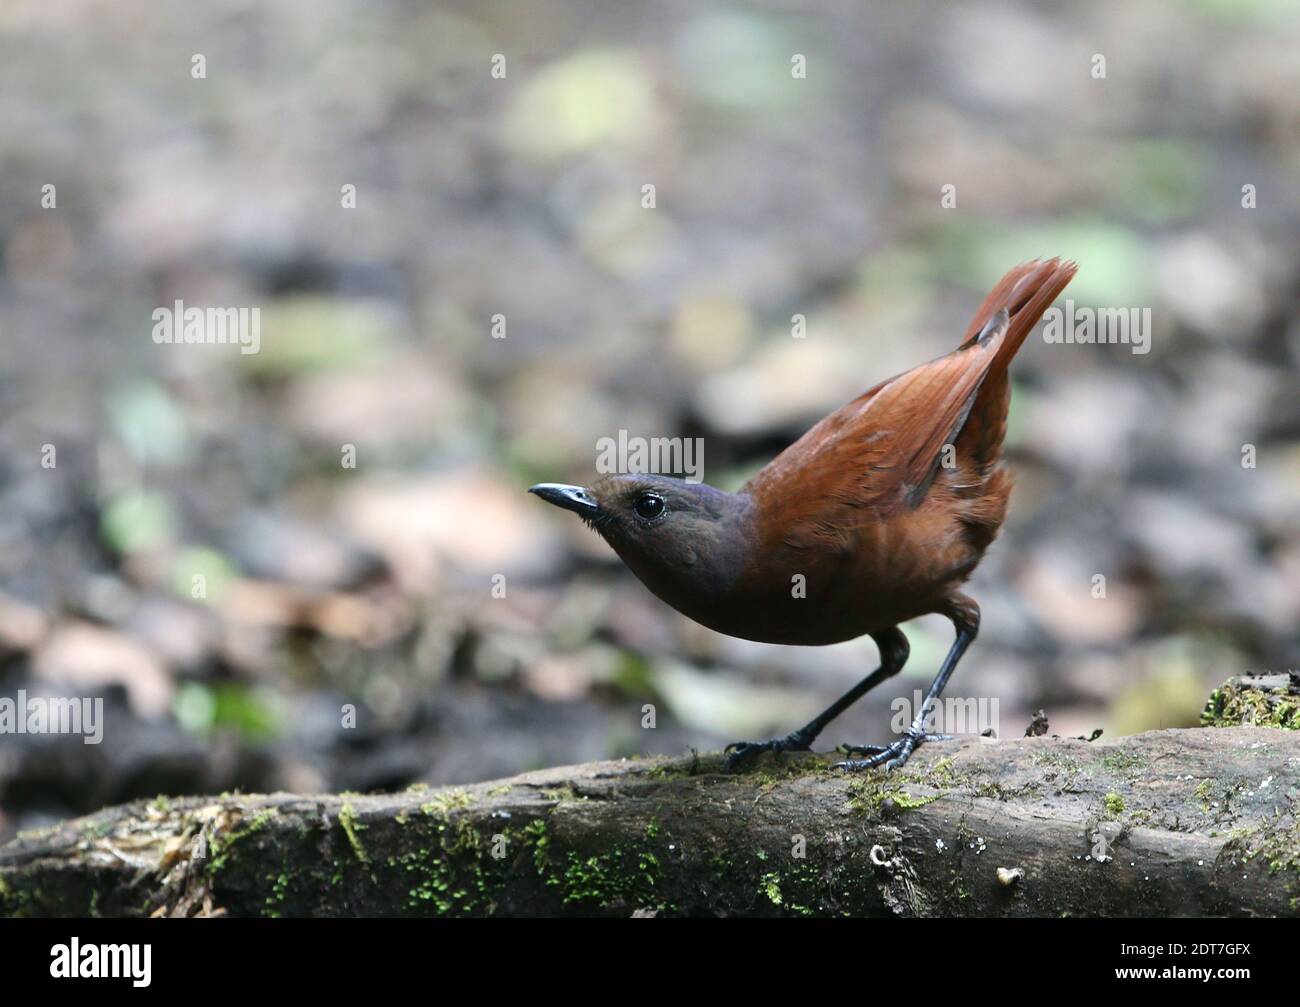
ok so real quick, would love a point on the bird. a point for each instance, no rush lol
(877, 515)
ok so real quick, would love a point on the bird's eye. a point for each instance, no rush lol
(649, 506)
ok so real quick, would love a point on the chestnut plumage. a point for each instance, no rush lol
(876, 515)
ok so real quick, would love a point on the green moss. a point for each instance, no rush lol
(448, 801)
(941, 774)
(611, 878)
(1126, 763)
(1058, 766)
(11, 900)
(1212, 715)
(1057, 760)
(766, 784)
(870, 793)
(620, 876)
(352, 829)
(436, 883)
(455, 874)
(770, 885)
(279, 891)
(259, 821)
(222, 848)
(457, 877)
(1232, 705)
(1282, 850)
(799, 889)
(996, 791)
(903, 799)
(1114, 805)
(1278, 847)
(673, 769)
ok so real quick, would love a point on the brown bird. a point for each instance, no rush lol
(876, 515)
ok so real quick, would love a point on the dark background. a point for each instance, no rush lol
(522, 197)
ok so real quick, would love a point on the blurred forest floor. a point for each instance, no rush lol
(521, 196)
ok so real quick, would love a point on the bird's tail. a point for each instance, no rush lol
(1024, 294)
(1012, 308)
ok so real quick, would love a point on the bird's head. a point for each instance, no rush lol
(680, 538)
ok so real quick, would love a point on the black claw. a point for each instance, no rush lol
(739, 752)
(864, 749)
(893, 755)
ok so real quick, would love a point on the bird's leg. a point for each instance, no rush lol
(965, 616)
(893, 654)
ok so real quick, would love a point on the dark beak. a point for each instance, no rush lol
(573, 498)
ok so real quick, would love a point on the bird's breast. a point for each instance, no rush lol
(839, 583)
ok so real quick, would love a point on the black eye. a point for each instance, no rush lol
(649, 506)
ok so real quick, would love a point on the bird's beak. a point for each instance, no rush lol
(573, 498)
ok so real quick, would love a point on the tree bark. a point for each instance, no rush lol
(1176, 822)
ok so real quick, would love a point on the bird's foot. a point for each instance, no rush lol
(740, 752)
(893, 755)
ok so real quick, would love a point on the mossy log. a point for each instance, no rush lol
(1175, 822)
(1255, 701)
